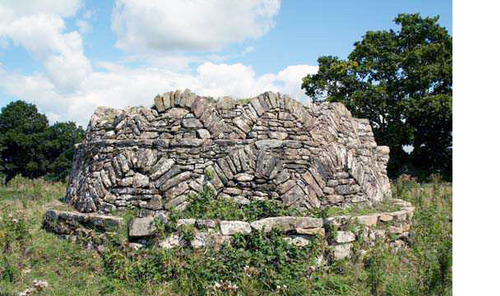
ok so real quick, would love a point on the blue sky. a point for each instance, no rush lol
(70, 56)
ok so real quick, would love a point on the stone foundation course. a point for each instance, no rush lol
(337, 232)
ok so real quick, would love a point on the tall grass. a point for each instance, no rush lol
(252, 265)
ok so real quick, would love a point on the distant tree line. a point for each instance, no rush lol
(402, 82)
(30, 147)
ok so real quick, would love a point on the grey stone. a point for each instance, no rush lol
(171, 242)
(141, 227)
(368, 220)
(311, 231)
(342, 251)
(241, 124)
(159, 104)
(284, 223)
(177, 113)
(345, 237)
(298, 240)
(268, 144)
(386, 217)
(191, 123)
(232, 227)
(140, 180)
(308, 222)
(163, 165)
(293, 195)
(155, 203)
(185, 222)
(64, 222)
(203, 134)
(175, 180)
(205, 223)
(244, 177)
(177, 203)
(310, 180)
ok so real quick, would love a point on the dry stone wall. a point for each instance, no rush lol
(267, 147)
(339, 233)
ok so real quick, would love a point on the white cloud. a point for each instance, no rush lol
(119, 86)
(39, 27)
(66, 8)
(157, 25)
(83, 26)
(70, 89)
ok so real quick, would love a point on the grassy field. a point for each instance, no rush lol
(253, 265)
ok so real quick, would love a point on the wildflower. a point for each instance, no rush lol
(40, 284)
(15, 221)
(27, 292)
(232, 287)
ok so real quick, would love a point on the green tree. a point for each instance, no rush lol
(22, 131)
(32, 148)
(59, 148)
(402, 82)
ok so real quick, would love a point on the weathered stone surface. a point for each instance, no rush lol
(185, 222)
(368, 220)
(298, 240)
(244, 177)
(191, 123)
(140, 180)
(163, 165)
(171, 242)
(155, 203)
(282, 223)
(62, 222)
(159, 104)
(232, 227)
(342, 251)
(293, 195)
(205, 223)
(308, 222)
(311, 231)
(386, 217)
(270, 146)
(141, 227)
(203, 134)
(345, 237)
(175, 180)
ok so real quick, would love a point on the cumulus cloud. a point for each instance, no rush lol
(69, 88)
(157, 25)
(39, 27)
(118, 86)
(66, 8)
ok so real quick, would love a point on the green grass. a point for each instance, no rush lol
(256, 264)
(205, 206)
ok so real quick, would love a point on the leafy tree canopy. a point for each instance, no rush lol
(402, 82)
(32, 148)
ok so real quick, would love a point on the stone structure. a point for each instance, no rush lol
(267, 147)
(336, 232)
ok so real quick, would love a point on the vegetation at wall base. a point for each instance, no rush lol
(257, 264)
